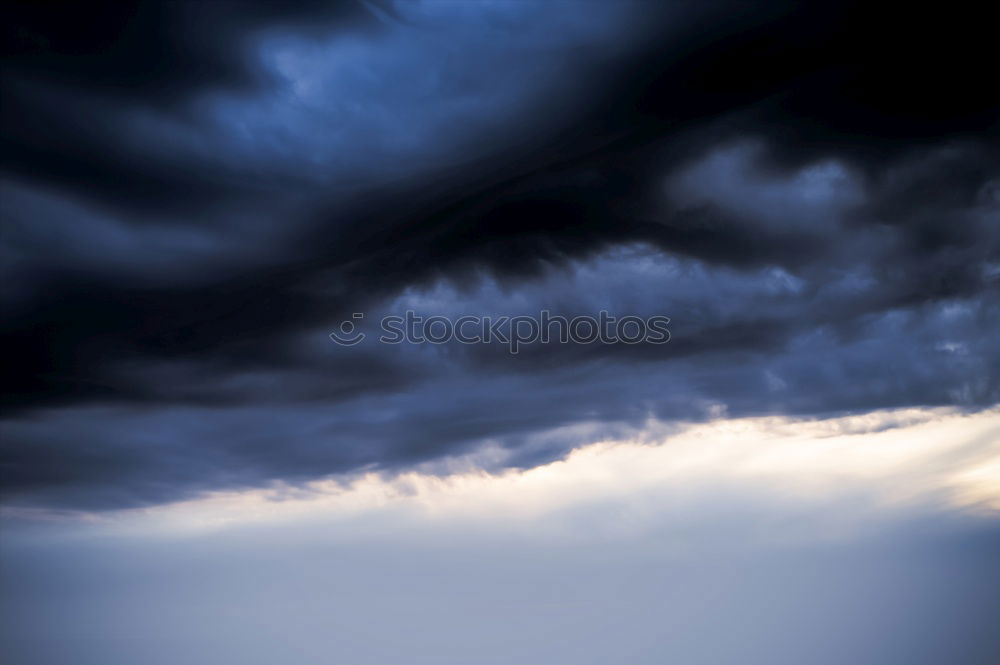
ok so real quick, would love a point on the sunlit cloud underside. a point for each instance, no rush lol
(883, 460)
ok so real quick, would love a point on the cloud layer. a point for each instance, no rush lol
(194, 196)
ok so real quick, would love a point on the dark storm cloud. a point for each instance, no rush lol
(195, 194)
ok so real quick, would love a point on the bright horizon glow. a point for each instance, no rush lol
(888, 458)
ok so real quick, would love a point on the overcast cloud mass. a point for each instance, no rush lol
(195, 194)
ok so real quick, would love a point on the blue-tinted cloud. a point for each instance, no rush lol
(178, 249)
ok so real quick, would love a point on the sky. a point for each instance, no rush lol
(195, 195)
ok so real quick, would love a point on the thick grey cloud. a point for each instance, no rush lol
(195, 195)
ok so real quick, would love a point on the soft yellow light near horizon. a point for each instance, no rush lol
(889, 457)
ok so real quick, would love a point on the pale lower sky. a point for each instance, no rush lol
(870, 539)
